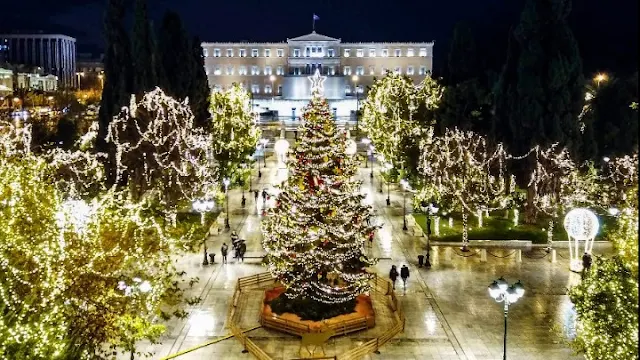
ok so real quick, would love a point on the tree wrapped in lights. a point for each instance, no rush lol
(315, 234)
(618, 176)
(466, 169)
(395, 115)
(160, 151)
(233, 130)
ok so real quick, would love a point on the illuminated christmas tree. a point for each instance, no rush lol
(315, 234)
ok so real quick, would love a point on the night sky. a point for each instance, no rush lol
(607, 31)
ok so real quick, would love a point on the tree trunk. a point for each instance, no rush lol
(529, 208)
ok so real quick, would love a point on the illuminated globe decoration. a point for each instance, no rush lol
(351, 147)
(582, 227)
(281, 148)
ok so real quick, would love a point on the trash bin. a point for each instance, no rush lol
(420, 260)
(212, 258)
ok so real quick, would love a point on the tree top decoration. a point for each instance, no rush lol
(317, 83)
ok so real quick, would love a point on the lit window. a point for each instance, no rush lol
(422, 71)
(409, 70)
(255, 70)
(217, 70)
(243, 53)
(331, 53)
(280, 52)
(313, 50)
(267, 52)
(280, 70)
(360, 70)
(398, 52)
(359, 53)
(267, 89)
(423, 52)
(347, 52)
(410, 52)
(217, 87)
(255, 88)
(279, 89)
(372, 70)
(242, 70)
(296, 52)
(267, 70)
(296, 71)
(372, 52)
(397, 70)
(229, 52)
(254, 52)
(385, 52)
(206, 70)
(216, 52)
(347, 89)
(205, 51)
(229, 70)
(347, 70)
(332, 70)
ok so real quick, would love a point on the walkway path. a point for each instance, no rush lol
(449, 312)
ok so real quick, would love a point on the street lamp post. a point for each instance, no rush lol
(355, 89)
(264, 143)
(243, 201)
(429, 209)
(371, 150)
(80, 75)
(500, 291)
(366, 143)
(101, 77)
(226, 190)
(405, 186)
(600, 78)
(203, 206)
(388, 167)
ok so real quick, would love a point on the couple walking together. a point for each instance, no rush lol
(404, 275)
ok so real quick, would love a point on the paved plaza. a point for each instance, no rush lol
(449, 313)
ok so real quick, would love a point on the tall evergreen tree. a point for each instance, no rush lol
(175, 66)
(199, 91)
(117, 76)
(462, 62)
(143, 52)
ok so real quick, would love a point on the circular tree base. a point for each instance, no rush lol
(312, 316)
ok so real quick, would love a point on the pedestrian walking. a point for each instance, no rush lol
(586, 263)
(393, 275)
(255, 195)
(242, 250)
(223, 250)
(264, 197)
(404, 274)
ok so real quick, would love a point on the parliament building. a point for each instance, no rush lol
(277, 73)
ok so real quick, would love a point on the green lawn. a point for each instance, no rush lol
(496, 227)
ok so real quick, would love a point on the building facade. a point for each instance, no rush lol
(90, 71)
(54, 53)
(277, 73)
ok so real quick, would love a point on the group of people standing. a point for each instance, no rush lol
(239, 248)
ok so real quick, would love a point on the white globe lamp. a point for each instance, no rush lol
(351, 147)
(582, 227)
(281, 148)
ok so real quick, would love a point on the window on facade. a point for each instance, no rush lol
(242, 70)
(205, 51)
(255, 70)
(254, 52)
(347, 70)
(359, 53)
(332, 70)
(360, 70)
(331, 53)
(409, 70)
(216, 52)
(229, 52)
(280, 70)
(243, 53)
(347, 89)
(372, 52)
(398, 52)
(217, 70)
(267, 70)
(313, 49)
(229, 70)
(296, 71)
(347, 52)
(423, 52)
(296, 52)
(397, 70)
(267, 89)
(255, 88)
(385, 52)
(410, 52)
(267, 52)
(423, 70)
(280, 52)
(279, 89)
(372, 70)
(360, 89)
(217, 87)
(206, 71)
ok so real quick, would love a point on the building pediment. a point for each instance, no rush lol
(314, 36)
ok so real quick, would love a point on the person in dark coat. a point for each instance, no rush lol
(223, 250)
(264, 197)
(393, 275)
(586, 263)
(404, 274)
(255, 195)
(242, 248)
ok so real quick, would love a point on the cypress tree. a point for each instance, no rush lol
(175, 57)
(117, 77)
(462, 59)
(143, 55)
(199, 94)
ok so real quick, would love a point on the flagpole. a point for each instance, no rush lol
(313, 26)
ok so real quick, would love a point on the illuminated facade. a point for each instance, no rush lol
(276, 73)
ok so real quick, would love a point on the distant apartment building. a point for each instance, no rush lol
(90, 71)
(277, 73)
(55, 54)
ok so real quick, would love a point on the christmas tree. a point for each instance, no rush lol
(315, 234)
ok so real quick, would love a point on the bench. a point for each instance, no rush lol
(412, 225)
